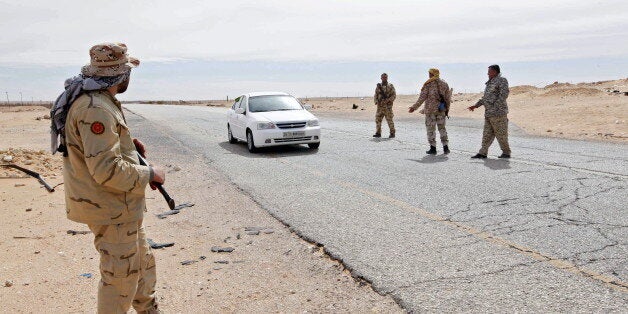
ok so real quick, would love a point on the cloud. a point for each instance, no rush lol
(61, 32)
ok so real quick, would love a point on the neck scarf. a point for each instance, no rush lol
(74, 88)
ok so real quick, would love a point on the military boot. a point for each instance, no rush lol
(432, 150)
(392, 135)
(446, 149)
(377, 135)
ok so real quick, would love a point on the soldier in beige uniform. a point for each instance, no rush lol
(384, 97)
(437, 97)
(104, 182)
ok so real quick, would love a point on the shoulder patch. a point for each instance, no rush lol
(97, 127)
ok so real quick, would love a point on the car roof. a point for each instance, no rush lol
(255, 94)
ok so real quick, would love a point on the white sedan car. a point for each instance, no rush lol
(271, 119)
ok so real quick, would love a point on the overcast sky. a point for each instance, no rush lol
(284, 43)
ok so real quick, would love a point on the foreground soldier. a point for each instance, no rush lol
(384, 97)
(437, 97)
(495, 113)
(104, 183)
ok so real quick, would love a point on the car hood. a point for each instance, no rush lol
(284, 116)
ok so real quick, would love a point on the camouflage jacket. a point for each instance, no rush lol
(385, 95)
(104, 183)
(430, 94)
(494, 99)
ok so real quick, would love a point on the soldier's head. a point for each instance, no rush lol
(384, 78)
(433, 72)
(110, 65)
(493, 71)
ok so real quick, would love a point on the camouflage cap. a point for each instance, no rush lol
(109, 59)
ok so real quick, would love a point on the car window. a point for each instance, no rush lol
(273, 103)
(243, 103)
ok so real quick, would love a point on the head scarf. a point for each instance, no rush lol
(74, 88)
(435, 76)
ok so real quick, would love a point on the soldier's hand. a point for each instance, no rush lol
(159, 176)
(139, 146)
(447, 113)
(411, 110)
(471, 108)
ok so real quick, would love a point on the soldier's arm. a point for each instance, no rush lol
(101, 145)
(422, 98)
(375, 96)
(504, 91)
(489, 97)
(446, 92)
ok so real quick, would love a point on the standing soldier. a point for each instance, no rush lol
(495, 113)
(437, 97)
(384, 96)
(104, 182)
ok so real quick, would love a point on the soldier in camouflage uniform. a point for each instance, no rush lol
(495, 113)
(384, 97)
(104, 182)
(435, 93)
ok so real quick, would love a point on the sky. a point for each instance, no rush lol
(215, 49)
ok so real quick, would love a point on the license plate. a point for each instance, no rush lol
(293, 134)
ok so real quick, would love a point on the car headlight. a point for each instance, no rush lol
(313, 123)
(265, 125)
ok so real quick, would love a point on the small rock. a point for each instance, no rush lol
(17, 185)
(176, 168)
(8, 283)
(202, 258)
(7, 158)
(29, 209)
(217, 249)
(617, 122)
(28, 162)
(37, 252)
(354, 107)
(221, 262)
(188, 262)
(217, 268)
(47, 117)
(38, 118)
(253, 232)
(549, 131)
(268, 231)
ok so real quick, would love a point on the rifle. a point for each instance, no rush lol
(32, 174)
(159, 186)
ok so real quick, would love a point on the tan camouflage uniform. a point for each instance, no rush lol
(384, 99)
(495, 114)
(104, 187)
(430, 94)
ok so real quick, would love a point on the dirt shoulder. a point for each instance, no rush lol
(46, 269)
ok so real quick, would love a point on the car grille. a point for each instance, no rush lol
(293, 139)
(291, 125)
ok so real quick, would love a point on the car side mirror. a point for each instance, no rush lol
(307, 107)
(239, 111)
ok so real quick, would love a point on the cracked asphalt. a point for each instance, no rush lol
(544, 231)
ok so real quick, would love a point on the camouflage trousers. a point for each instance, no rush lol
(384, 111)
(431, 121)
(127, 268)
(495, 127)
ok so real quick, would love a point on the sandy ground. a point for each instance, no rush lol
(578, 111)
(45, 269)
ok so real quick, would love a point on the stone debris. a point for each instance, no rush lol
(257, 230)
(217, 249)
(7, 158)
(221, 262)
(17, 185)
(188, 262)
(155, 245)
(8, 283)
(74, 232)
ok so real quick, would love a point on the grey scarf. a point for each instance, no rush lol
(74, 88)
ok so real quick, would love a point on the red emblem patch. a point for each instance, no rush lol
(98, 128)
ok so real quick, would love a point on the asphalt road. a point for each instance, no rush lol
(544, 231)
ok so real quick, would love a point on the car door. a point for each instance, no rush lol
(231, 115)
(240, 120)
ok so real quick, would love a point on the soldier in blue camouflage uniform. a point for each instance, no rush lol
(385, 95)
(495, 113)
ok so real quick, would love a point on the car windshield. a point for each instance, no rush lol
(273, 103)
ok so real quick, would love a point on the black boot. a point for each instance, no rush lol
(504, 156)
(392, 135)
(479, 156)
(377, 135)
(432, 150)
(446, 149)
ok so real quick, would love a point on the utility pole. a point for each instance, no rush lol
(7, 97)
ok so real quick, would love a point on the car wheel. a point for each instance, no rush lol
(250, 144)
(232, 139)
(314, 145)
